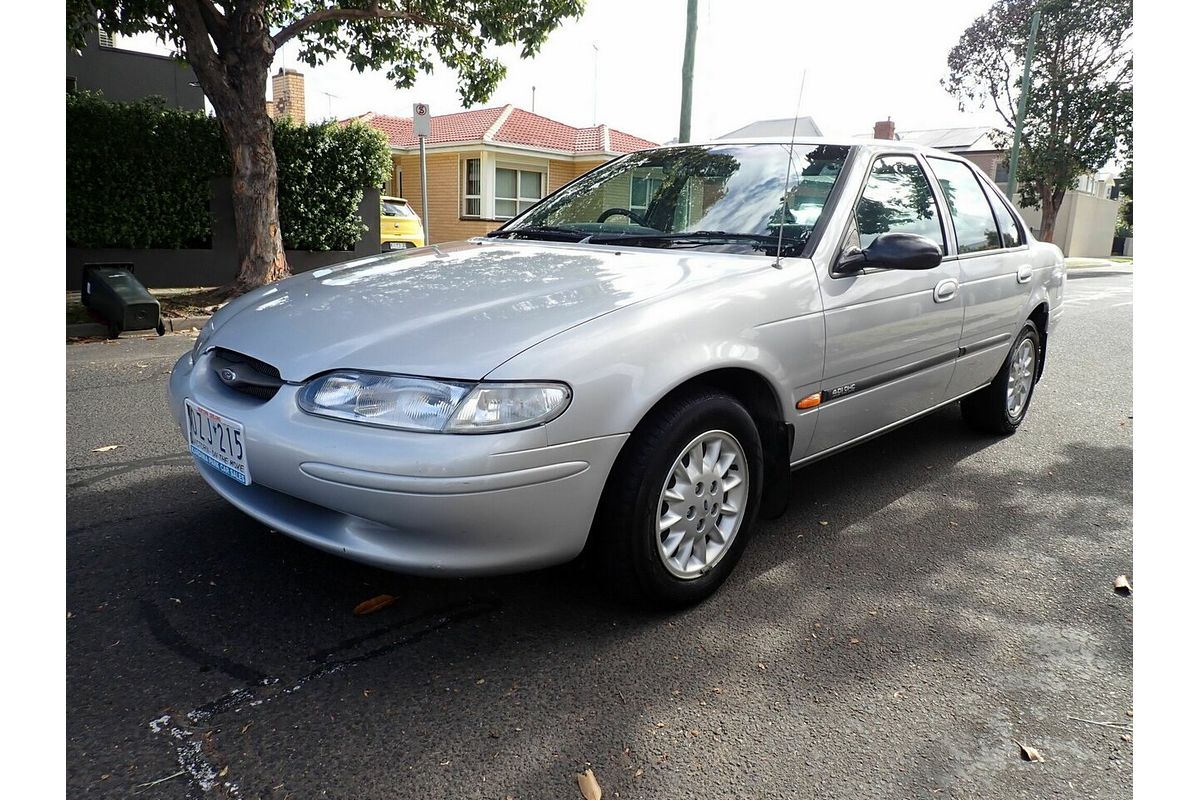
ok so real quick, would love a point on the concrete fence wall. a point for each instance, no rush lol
(1084, 227)
(218, 265)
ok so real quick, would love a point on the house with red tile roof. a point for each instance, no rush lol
(487, 165)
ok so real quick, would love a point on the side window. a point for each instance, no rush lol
(897, 199)
(1010, 229)
(970, 210)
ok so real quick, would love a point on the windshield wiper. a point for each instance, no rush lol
(789, 245)
(541, 232)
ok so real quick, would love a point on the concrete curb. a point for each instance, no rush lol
(91, 330)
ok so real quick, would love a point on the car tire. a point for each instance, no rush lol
(633, 556)
(1000, 407)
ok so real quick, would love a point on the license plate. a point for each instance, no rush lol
(217, 441)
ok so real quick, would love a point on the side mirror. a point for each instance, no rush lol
(892, 251)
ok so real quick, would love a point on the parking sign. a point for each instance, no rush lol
(421, 120)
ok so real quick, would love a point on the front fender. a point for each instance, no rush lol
(621, 365)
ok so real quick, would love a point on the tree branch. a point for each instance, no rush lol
(210, 70)
(215, 22)
(348, 14)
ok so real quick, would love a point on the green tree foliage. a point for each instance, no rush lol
(138, 176)
(231, 43)
(1079, 114)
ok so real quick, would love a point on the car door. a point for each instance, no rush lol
(891, 335)
(995, 271)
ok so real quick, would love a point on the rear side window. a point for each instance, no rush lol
(897, 199)
(391, 209)
(1010, 229)
(970, 210)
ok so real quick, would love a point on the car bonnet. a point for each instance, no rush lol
(451, 311)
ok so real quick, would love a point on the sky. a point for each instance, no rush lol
(620, 64)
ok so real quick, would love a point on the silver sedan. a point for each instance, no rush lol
(631, 367)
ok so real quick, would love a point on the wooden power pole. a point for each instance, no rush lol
(689, 62)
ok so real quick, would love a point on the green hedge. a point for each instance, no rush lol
(322, 172)
(138, 176)
(138, 173)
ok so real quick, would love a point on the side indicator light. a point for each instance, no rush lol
(812, 401)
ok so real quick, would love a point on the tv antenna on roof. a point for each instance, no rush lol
(783, 209)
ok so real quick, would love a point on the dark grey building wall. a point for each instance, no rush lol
(124, 75)
(218, 265)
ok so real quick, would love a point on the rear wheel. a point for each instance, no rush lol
(681, 501)
(1000, 407)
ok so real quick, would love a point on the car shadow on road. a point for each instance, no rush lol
(896, 557)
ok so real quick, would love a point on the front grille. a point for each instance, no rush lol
(245, 374)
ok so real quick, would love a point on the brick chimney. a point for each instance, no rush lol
(885, 129)
(287, 96)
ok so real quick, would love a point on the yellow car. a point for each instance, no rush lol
(399, 226)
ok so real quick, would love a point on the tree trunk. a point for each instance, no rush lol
(1051, 202)
(255, 183)
(231, 56)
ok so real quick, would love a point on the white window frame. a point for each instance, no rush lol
(649, 195)
(462, 172)
(540, 170)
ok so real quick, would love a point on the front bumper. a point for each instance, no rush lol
(421, 503)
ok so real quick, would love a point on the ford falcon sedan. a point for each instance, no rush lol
(629, 369)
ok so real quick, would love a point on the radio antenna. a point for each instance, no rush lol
(783, 210)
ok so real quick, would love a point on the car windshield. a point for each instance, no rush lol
(727, 197)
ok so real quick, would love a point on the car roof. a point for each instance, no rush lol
(893, 145)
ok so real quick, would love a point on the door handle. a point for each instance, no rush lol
(945, 290)
(1024, 273)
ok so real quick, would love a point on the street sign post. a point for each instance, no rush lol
(423, 127)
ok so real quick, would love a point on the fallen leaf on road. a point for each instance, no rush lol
(854, 641)
(640, 772)
(1030, 754)
(588, 785)
(1122, 586)
(224, 771)
(1125, 737)
(824, 522)
(374, 604)
(762, 666)
(106, 448)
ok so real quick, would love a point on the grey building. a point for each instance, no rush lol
(127, 75)
(804, 127)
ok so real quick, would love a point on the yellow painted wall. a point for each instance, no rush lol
(445, 200)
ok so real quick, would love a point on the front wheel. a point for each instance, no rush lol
(1000, 407)
(681, 501)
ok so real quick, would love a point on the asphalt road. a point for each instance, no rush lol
(931, 599)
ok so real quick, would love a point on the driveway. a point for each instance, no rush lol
(930, 600)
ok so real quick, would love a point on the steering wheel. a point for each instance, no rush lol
(613, 212)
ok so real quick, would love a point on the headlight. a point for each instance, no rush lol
(424, 404)
(507, 406)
